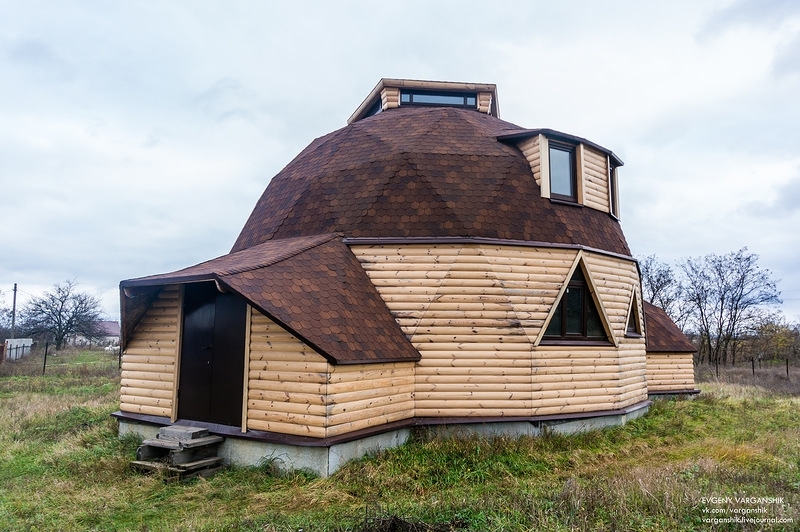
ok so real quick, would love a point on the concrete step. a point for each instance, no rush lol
(183, 444)
(180, 452)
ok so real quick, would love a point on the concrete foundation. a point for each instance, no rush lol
(324, 461)
(321, 461)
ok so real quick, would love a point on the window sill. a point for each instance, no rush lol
(633, 335)
(576, 342)
(565, 202)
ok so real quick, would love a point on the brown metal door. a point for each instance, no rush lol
(212, 355)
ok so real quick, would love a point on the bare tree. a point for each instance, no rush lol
(773, 338)
(728, 295)
(662, 288)
(63, 312)
(5, 320)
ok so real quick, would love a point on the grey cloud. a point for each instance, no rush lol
(769, 13)
(226, 98)
(787, 58)
(38, 58)
(786, 202)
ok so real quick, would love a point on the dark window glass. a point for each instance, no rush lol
(633, 320)
(574, 310)
(562, 172)
(449, 99)
(612, 184)
(554, 329)
(594, 326)
(576, 316)
(441, 99)
(376, 108)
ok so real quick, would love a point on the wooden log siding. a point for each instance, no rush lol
(474, 311)
(595, 180)
(531, 150)
(292, 389)
(390, 98)
(367, 395)
(616, 280)
(484, 102)
(150, 358)
(287, 383)
(670, 372)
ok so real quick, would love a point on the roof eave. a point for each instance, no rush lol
(559, 135)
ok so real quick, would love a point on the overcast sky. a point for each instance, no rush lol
(136, 137)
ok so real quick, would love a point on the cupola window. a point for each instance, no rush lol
(562, 171)
(376, 108)
(451, 99)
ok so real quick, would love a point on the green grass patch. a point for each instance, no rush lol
(62, 467)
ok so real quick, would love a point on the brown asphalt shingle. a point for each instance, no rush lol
(313, 286)
(421, 172)
(663, 336)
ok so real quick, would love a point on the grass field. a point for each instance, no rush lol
(62, 467)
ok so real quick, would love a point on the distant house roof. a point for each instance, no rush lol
(662, 333)
(109, 328)
(313, 286)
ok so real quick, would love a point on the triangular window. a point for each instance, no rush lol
(576, 316)
(634, 327)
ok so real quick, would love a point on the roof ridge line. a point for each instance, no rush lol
(318, 241)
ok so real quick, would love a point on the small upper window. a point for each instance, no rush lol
(576, 316)
(562, 171)
(613, 191)
(452, 99)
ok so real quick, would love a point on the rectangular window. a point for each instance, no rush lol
(612, 188)
(562, 171)
(450, 99)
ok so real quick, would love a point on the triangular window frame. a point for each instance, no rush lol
(633, 324)
(590, 297)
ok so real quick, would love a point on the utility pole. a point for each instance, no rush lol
(14, 314)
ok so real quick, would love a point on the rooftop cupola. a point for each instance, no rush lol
(393, 93)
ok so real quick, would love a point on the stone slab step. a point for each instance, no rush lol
(181, 433)
(165, 443)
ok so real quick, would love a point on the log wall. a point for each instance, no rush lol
(367, 395)
(474, 311)
(484, 102)
(287, 382)
(616, 281)
(390, 98)
(595, 180)
(292, 389)
(670, 372)
(532, 152)
(149, 362)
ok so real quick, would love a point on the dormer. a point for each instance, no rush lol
(394, 93)
(570, 169)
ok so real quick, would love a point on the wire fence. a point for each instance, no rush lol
(76, 361)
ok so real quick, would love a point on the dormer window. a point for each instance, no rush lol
(563, 184)
(450, 99)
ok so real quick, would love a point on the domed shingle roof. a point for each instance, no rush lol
(421, 172)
